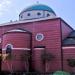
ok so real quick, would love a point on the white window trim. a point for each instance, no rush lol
(10, 45)
(41, 35)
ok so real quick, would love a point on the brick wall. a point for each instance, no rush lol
(52, 39)
(68, 53)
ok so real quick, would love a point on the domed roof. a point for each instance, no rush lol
(39, 7)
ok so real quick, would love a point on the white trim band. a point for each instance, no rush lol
(18, 49)
(39, 48)
(67, 47)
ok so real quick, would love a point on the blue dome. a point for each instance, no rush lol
(38, 7)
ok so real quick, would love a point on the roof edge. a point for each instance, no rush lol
(27, 21)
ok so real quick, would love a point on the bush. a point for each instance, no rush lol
(71, 62)
(61, 73)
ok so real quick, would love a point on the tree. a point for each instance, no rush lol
(47, 56)
(61, 73)
(26, 57)
(71, 62)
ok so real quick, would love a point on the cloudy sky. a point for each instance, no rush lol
(10, 9)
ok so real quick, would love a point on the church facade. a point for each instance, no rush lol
(40, 41)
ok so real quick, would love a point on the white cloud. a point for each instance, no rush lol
(4, 5)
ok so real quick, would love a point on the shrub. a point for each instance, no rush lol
(61, 73)
(47, 57)
(71, 62)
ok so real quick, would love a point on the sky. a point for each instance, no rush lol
(10, 9)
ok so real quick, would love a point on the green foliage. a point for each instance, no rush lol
(47, 56)
(9, 57)
(61, 73)
(25, 57)
(71, 62)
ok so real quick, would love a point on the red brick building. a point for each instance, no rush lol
(40, 41)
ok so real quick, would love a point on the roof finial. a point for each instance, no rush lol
(37, 2)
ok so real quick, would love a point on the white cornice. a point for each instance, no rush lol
(26, 21)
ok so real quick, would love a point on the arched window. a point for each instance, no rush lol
(38, 13)
(48, 15)
(28, 14)
(8, 48)
(21, 16)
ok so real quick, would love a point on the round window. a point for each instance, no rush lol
(39, 37)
